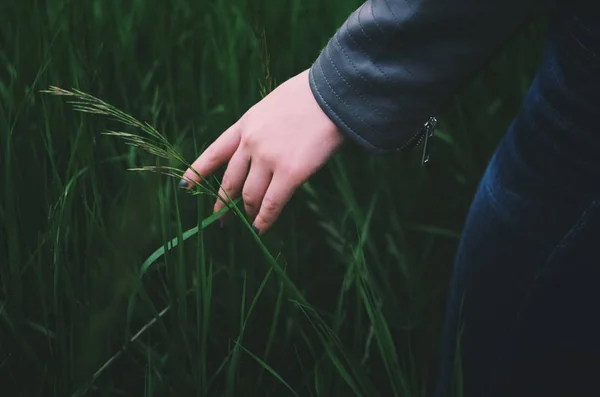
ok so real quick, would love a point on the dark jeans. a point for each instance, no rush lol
(525, 295)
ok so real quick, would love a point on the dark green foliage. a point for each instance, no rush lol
(109, 287)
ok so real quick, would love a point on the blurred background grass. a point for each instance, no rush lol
(369, 241)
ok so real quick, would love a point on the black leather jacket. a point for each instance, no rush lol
(394, 63)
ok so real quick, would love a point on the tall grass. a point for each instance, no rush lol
(118, 283)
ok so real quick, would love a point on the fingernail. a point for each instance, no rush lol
(255, 230)
(183, 184)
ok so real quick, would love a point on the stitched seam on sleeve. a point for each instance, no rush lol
(363, 51)
(360, 24)
(339, 119)
(370, 40)
(337, 41)
(392, 11)
(375, 20)
(397, 23)
(364, 99)
(352, 111)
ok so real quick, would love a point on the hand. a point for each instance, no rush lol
(272, 150)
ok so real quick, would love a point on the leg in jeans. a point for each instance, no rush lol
(525, 294)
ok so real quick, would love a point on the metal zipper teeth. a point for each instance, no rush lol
(424, 135)
(410, 144)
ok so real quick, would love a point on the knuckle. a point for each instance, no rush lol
(269, 158)
(263, 220)
(249, 200)
(211, 156)
(270, 205)
(248, 138)
(290, 171)
(246, 141)
(226, 185)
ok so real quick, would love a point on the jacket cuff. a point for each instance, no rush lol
(345, 107)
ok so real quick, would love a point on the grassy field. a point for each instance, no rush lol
(112, 281)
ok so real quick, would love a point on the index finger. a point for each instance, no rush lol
(218, 153)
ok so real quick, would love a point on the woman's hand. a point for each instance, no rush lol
(272, 150)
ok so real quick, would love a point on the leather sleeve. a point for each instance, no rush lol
(394, 63)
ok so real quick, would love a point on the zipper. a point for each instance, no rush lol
(425, 136)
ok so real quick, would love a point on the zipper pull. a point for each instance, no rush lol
(429, 131)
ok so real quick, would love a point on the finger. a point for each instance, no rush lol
(233, 178)
(217, 154)
(255, 187)
(276, 197)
